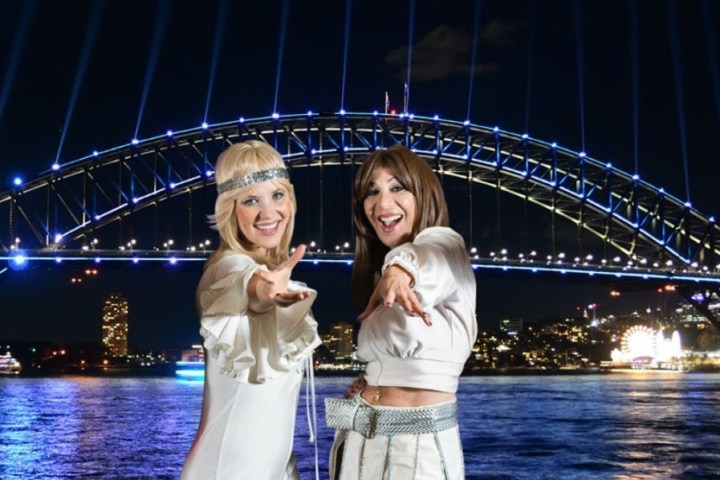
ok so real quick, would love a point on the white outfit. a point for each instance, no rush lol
(253, 371)
(402, 351)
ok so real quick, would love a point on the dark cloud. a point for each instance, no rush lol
(442, 53)
(502, 34)
(446, 52)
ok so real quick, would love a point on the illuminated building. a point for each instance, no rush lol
(340, 341)
(115, 325)
(511, 327)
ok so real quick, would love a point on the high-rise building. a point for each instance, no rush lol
(115, 325)
(511, 327)
(340, 341)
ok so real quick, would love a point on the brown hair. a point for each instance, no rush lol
(416, 176)
(235, 162)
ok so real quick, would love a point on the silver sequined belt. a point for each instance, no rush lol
(354, 414)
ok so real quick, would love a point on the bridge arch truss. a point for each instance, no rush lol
(63, 208)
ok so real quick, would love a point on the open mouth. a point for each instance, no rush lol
(390, 221)
(268, 227)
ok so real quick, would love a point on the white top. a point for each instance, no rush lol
(402, 351)
(253, 371)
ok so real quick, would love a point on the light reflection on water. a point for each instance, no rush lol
(576, 427)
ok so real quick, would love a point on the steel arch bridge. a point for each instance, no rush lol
(643, 231)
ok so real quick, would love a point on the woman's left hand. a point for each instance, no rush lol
(394, 286)
(356, 386)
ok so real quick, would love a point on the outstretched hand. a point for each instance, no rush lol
(394, 286)
(271, 286)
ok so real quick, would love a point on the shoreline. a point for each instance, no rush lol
(489, 372)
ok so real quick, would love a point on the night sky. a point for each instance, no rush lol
(561, 71)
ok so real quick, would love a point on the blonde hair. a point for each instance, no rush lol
(235, 162)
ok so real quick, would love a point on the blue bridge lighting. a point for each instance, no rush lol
(95, 193)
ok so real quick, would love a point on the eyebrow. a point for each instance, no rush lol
(394, 177)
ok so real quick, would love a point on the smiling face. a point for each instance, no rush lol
(263, 214)
(390, 209)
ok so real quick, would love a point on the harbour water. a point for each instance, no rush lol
(616, 426)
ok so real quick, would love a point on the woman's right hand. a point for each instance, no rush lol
(395, 287)
(269, 288)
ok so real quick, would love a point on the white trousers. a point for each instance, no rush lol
(426, 456)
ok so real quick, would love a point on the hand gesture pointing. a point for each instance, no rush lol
(267, 289)
(394, 287)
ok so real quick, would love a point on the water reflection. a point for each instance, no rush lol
(616, 426)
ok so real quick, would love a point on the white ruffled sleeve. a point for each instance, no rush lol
(434, 258)
(251, 347)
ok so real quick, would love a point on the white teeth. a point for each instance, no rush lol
(267, 227)
(387, 221)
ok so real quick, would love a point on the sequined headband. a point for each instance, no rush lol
(252, 178)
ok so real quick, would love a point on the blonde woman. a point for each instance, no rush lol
(258, 330)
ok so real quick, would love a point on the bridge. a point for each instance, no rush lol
(523, 205)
